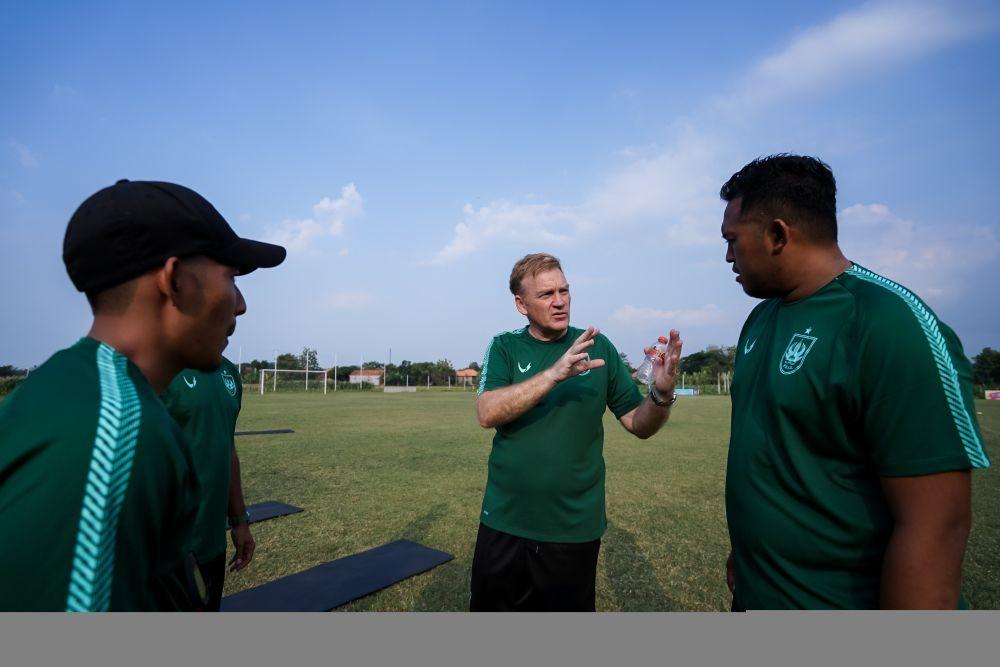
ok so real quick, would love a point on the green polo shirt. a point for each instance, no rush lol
(831, 393)
(206, 406)
(97, 491)
(546, 469)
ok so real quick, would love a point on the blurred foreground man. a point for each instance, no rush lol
(544, 388)
(206, 405)
(97, 491)
(853, 426)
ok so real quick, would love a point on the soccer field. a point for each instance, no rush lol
(370, 468)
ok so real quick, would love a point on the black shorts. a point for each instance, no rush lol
(512, 573)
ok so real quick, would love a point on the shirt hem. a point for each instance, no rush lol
(926, 466)
(541, 537)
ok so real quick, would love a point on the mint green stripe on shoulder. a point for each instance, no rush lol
(486, 367)
(118, 421)
(486, 359)
(942, 359)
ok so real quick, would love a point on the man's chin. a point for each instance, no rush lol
(207, 364)
(559, 325)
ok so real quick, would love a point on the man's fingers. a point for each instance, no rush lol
(251, 547)
(595, 363)
(590, 333)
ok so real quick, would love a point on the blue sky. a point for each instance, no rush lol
(408, 154)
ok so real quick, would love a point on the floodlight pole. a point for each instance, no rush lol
(307, 368)
(275, 370)
(335, 371)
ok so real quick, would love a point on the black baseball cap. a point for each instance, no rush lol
(126, 229)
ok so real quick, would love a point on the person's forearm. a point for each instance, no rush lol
(649, 418)
(922, 569)
(502, 406)
(237, 506)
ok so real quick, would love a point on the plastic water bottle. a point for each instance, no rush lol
(645, 372)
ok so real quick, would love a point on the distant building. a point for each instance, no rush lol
(373, 377)
(466, 377)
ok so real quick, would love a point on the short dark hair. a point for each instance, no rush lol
(797, 188)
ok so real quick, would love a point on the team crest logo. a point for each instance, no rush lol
(796, 352)
(229, 382)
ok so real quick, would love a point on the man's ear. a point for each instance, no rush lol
(168, 279)
(777, 232)
(519, 304)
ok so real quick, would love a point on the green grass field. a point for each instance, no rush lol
(370, 468)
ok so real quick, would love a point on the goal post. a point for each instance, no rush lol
(276, 371)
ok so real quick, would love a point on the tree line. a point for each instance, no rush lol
(702, 367)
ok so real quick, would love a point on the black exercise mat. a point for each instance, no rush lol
(270, 510)
(332, 584)
(273, 431)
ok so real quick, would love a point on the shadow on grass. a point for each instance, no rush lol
(630, 575)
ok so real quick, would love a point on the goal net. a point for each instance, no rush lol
(292, 380)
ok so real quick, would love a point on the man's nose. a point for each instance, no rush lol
(241, 304)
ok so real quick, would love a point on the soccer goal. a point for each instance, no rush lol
(274, 380)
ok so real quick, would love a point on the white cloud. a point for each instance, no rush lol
(671, 193)
(676, 189)
(24, 155)
(348, 300)
(639, 315)
(503, 220)
(853, 45)
(329, 216)
(933, 260)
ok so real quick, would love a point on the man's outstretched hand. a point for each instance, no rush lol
(666, 364)
(576, 360)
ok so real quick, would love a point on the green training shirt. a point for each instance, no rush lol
(830, 393)
(206, 406)
(97, 492)
(546, 470)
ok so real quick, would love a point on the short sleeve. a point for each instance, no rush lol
(916, 403)
(496, 370)
(623, 393)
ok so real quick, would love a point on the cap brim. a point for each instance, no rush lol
(247, 255)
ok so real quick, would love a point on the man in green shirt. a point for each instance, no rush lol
(97, 487)
(853, 426)
(206, 404)
(544, 388)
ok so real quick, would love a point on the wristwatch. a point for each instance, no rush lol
(239, 519)
(659, 400)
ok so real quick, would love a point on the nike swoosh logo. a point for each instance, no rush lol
(747, 348)
(525, 369)
(192, 383)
